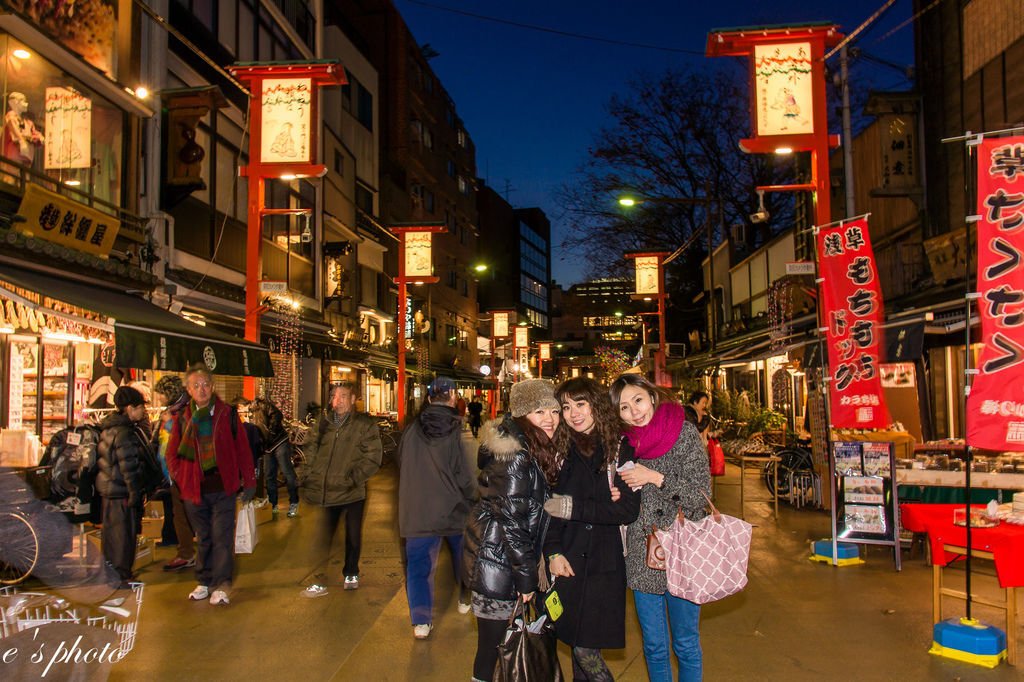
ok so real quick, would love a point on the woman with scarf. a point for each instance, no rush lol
(519, 459)
(672, 475)
(584, 542)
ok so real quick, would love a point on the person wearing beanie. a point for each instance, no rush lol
(119, 481)
(170, 391)
(519, 459)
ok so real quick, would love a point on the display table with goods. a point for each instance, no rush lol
(1001, 543)
(940, 464)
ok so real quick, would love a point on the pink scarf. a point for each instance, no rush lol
(660, 434)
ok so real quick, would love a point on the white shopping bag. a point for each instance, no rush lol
(245, 529)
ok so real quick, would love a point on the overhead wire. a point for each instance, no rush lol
(555, 31)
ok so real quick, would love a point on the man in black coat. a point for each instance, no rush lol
(119, 482)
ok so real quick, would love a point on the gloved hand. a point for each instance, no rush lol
(559, 506)
(248, 494)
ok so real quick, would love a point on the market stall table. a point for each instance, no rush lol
(1003, 545)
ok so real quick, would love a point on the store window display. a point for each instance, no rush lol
(57, 126)
(21, 138)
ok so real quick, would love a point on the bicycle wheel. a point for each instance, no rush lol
(19, 548)
(389, 443)
(790, 460)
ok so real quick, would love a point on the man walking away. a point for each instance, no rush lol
(348, 452)
(210, 460)
(436, 490)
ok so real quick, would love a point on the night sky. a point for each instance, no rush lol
(533, 101)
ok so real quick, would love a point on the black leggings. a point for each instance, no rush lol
(488, 636)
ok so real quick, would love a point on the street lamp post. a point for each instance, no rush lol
(665, 258)
(414, 265)
(650, 283)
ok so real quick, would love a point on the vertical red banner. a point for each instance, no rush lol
(853, 312)
(995, 407)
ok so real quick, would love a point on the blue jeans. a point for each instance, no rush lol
(682, 624)
(420, 565)
(281, 456)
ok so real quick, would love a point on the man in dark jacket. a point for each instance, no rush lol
(348, 452)
(435, 493)
(119, 480)
(209, 458)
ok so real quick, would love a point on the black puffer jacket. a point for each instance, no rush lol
(504, 531)
(119, 452)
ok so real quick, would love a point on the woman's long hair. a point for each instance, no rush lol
(607, 425)
(549, 452)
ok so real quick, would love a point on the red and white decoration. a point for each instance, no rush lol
(995, 407)
(853, 312)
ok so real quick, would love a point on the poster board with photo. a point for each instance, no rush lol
(866, 505)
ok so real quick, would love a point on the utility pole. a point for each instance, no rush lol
(844, 77)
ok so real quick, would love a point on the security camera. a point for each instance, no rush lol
(761, 214)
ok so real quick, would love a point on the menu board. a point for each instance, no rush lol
(865, 506)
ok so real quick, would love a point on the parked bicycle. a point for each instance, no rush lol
(389, 437)
(32, 531)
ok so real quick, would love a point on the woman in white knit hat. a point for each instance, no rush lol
(519, 460)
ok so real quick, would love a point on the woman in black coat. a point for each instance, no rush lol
(584, 540)
(519, 459)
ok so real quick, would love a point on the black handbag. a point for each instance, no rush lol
(529, 652)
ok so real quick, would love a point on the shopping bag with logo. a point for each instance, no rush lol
(529, 652)
(245, 529)
(707, 559)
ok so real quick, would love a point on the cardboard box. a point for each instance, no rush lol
(152, 528)
(145, 552)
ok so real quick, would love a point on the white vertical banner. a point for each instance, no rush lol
(68, 120)
(522, 337)
(647, 275)
(286, 112)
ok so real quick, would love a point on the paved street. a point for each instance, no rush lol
(797, 620)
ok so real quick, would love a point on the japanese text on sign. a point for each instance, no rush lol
(286, 115)
(61, 220)
(500, 325)
(852, 311)
(996, 401)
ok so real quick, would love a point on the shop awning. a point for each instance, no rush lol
(147, 336)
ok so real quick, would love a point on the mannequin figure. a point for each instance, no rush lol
(20, 134)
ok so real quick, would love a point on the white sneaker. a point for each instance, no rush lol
(422, 631)
(200, 593)
(351, 582)
(464, 607)
(219, 597)
(293, 510)
(314, 591)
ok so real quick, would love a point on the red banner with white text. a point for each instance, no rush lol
(853, 312)
(995, 407)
